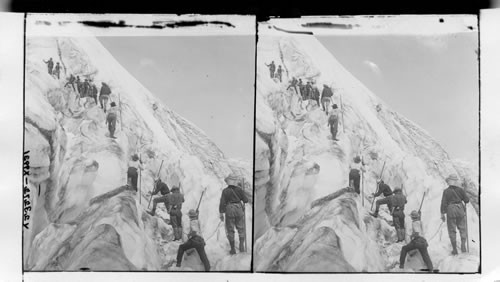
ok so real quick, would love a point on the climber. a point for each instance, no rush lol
(333, 121)
(134, 165)
(71, 81)
(86, 88)
(174, 209)
(293, 84)
(308, 89)
(417, 242)
(78, 84)
(315, 93)
(104, 95)
(301, 89)
(326, 97)
(50, 65)
(111, 121)
(279, 72)
(453, 204)
(387, 192)
(272, 68)
(355, 169)
(57, 70)
(162, 188)
(398, 201)
(232, 203)
(94, 92)
(195, 240)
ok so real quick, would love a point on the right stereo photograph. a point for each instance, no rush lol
(367, 145)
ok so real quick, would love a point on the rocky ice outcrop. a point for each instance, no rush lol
(74, 163)
(307, 222)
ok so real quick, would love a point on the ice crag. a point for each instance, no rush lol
(308, 221)
(83, 217)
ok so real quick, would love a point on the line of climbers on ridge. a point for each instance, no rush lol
(453, 205)
(310, 92)
(87, 89)
(232, 205)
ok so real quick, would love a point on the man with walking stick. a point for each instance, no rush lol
(232, 203)
(453, 204)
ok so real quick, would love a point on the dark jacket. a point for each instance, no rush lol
(105, 90)
(327, 92)
(453, 195)
(383, 189)
(175, 200)
(162, 188)
(398, 201)
(231, 194)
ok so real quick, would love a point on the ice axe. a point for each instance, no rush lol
(422, 202)
(199, 202)
(466, 227)
(158, 174)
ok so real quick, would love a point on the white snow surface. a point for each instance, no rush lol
(67, 138)
(296, 163)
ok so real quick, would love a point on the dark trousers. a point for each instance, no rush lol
(355, 176)
(132, 174)
(112, 128)
(190, 244)
(162, 199)
(420, 244)
(384, 201)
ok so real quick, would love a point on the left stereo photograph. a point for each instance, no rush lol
(138, 141)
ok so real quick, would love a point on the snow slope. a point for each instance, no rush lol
(74, 162)
(301, 225)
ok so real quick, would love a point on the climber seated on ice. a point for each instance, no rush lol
(133, 167)
(163, 189)
(195, 241)
(417, 242)
(386, 191)
(355, 173)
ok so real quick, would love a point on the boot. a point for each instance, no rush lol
(463, 245)
(454, 246)
(232, 251)
(152, 213)
(242, 245)
(374, 214)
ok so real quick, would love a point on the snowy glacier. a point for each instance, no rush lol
(83, 216)
(306, 219)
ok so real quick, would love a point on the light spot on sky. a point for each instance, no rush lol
(373, 67)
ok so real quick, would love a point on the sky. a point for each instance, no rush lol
(431, 80)
(209, 80)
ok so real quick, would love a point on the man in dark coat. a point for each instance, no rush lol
(104, 96)
(86, 88)
(232, 203)
(78, 84)
(272, 68)
(326, 97)
(162, 188)
(279, 72)
(309, 91)
(453, 205)
(174, 208)
(50, 65)
(301, 89)
(398, 201)
(387, 192)
(57, 70)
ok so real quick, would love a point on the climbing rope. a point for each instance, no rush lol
(437, 231)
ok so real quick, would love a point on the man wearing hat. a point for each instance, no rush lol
(195, 240)
(417, 242)
(231, 204)
(387, 192)
(174, 208)
(453, 205)
(162, 188)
